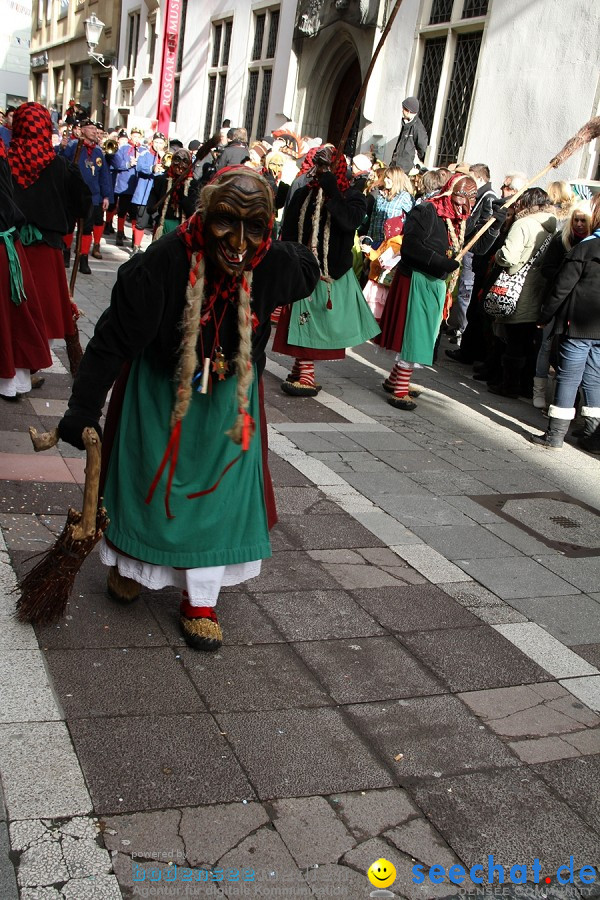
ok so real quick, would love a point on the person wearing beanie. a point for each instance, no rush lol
(412, 140)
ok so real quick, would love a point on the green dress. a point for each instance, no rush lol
(346, 322)
(226, 526)
(426, 298)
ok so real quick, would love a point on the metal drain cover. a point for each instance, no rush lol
(559, 521)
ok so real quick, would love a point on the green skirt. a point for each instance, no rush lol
(226, 526)
(170, 225)
(347, 323)
(423, 318)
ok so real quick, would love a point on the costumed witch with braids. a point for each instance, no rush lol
(49, 190)
(23, 344)
(174, 195)
(324, 215)
(434, 232)
(187, 487)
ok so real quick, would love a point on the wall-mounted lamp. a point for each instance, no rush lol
(93, 30)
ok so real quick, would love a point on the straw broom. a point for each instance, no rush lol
(45, 590)
(587, 133)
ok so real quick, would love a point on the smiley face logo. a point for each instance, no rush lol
(381, 873)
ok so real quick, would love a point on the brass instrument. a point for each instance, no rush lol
(110, 146)
(166, 160)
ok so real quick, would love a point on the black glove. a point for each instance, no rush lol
(328, 182)
(453, 265)
(70, 428)
(499, 215)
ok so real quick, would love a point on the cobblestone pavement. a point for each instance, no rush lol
(413, 676)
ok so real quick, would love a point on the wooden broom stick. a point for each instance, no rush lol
(364, 85)
(587, 133)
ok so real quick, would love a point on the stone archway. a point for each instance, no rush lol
(329, 77)
(346, 94)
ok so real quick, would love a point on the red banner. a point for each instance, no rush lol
(168, 66)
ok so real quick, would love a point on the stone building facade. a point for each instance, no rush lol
(61, 68)
(500, 81)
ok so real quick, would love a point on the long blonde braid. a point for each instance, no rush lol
(243, 360)
(190, 327)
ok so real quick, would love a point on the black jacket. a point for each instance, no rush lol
(147, 305)
(412, 137)
(347, 211)
(574, 298)
(235, 153)
(425, 243)
(55, 200)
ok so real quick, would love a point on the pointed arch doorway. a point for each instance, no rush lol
(343, 101)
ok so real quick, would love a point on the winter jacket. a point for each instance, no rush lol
(425, 245)
(147, 305)
(346, 211)
(235, 153)
(126, 175)
(412, 137)
(93, 168)
(524, 239)
(144, 170)
(574, 298)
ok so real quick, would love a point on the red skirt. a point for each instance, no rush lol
(48, 265)
(23, 343)
(393, 319)
(280, 343)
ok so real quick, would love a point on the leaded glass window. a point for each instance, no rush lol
(441, 10)
(251, 101)
(433, 59)
(259, 32)
(264, 102)
(216, 45)
(210, 105)
(273, 29)
(227, 43)
(459, 96)
(474, 8)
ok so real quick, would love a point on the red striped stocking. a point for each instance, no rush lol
(306, 369)
(402, 381)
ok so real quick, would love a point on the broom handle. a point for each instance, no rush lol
(43, 441)
(508, 203)
(86, 528)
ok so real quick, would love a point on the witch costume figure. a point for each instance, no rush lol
(324, 215)
(187, 487)
(434, 233)
(49, 190)
(23, 344)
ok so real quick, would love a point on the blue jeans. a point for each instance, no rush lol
(542, 366)
(458, 314)
(578, 364)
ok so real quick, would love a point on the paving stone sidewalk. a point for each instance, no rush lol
(414, 674)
